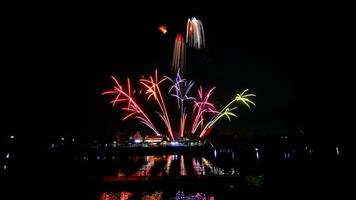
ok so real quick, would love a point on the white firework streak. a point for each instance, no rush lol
(195, 36)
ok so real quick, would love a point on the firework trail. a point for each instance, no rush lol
(181, 88)
(133, 109)
(195, 33)
(227, 111)
(202, 106)
(151, 85)
(179, 55)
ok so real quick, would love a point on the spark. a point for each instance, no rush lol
(195, 33)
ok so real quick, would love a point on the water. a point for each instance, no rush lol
(179, 176)
(214, 174)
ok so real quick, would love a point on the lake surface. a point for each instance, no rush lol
(215, 174)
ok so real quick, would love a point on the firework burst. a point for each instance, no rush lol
(132, 108)
(202, 106)
(152, 87)
(227, 111)
(181, 88)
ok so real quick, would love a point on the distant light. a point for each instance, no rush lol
(137, 141)
(52, 146)
(106, 145)
(114, 142)
(257, 155)
(175, 143)
(5, 167)
(62, 138)
(215, 153)
(73, 139)
(12, 136)
(98, 157)
(175, 157)
(337, 151)
(8, 155)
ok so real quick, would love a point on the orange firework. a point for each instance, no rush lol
(163, 29)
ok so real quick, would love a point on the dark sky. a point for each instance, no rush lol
(57, 63)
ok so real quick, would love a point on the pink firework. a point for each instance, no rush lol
(132, 108)
(202, 106)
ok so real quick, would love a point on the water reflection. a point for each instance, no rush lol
(156, 195)
(183, 172)
(138, 168)
(196, 196)
(124, 195)
(199, 169)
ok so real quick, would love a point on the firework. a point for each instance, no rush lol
(152, 87)
(132, 108)
(202, 106)
(179, 55)
(181, 88)
(227, 111)
(195, 33)
(163, 29)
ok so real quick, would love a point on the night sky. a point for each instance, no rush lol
(57, 64)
